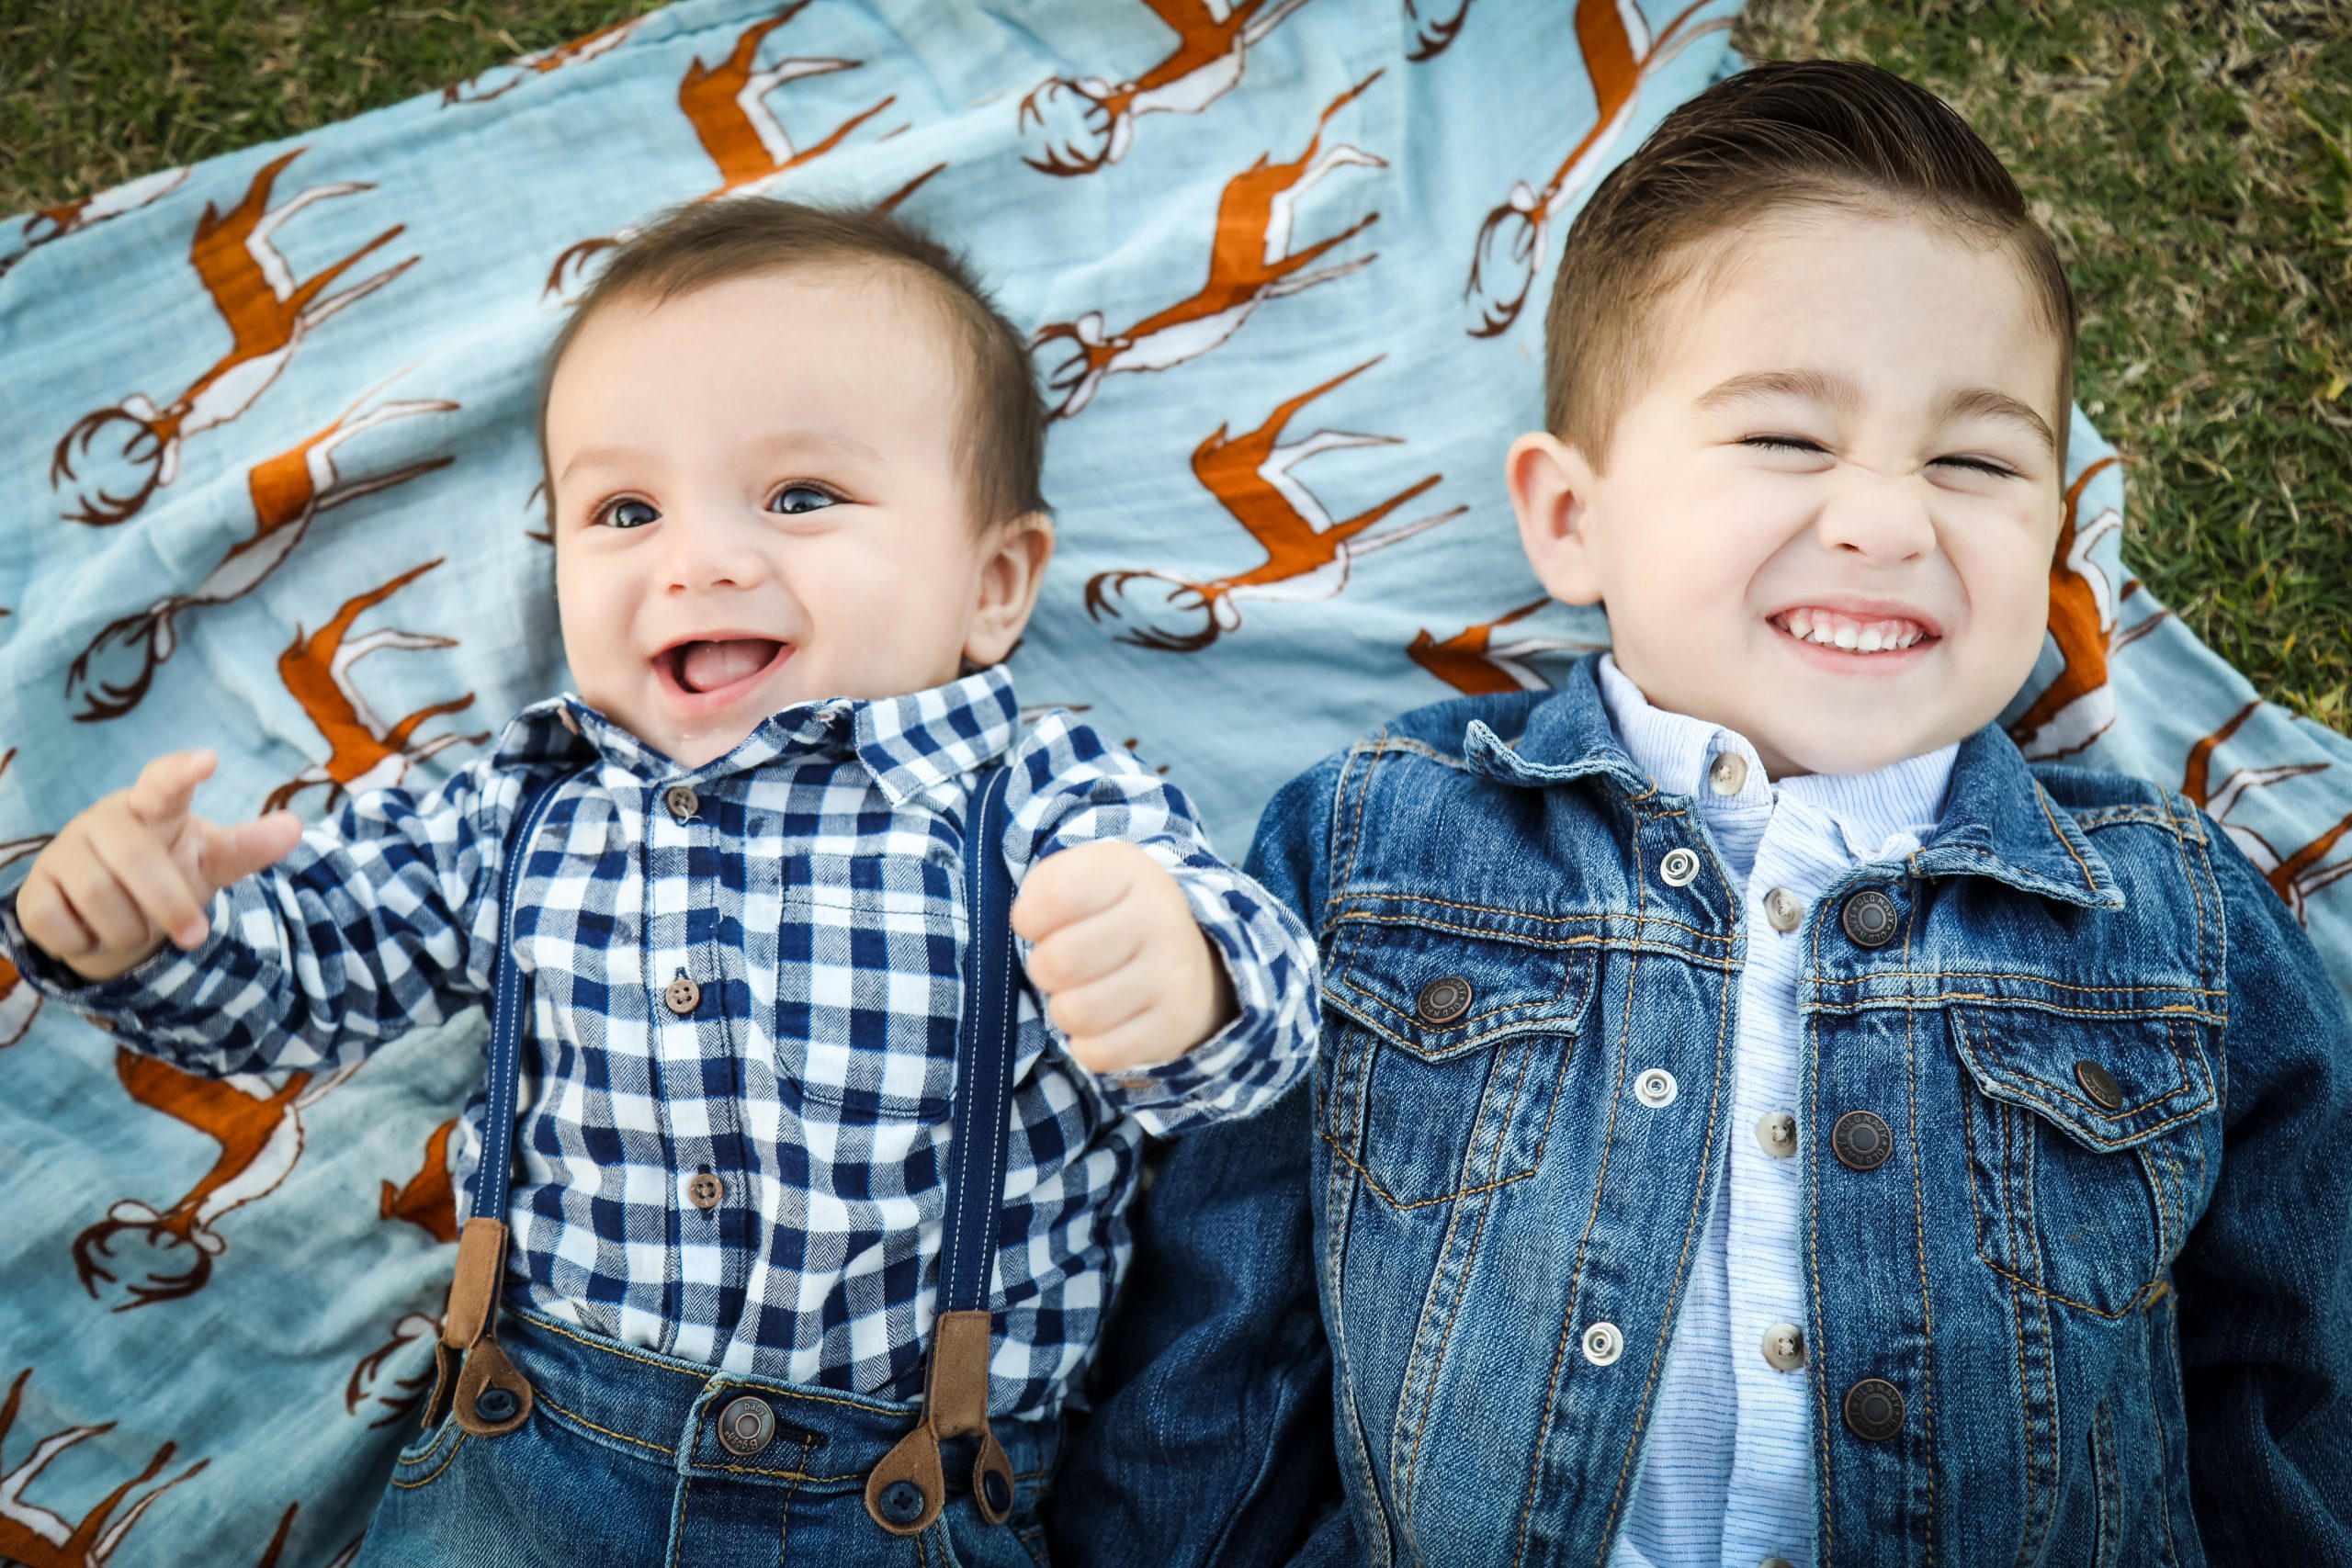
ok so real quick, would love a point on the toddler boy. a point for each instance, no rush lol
(1761, 1118)
(791, 460)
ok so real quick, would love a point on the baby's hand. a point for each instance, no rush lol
(139, 868)
(1126, 973)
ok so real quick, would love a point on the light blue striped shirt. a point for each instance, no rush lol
(1726, 1479)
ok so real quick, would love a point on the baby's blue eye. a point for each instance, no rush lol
(795, 499)
(619, 516)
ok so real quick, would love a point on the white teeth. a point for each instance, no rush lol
(1829, 629)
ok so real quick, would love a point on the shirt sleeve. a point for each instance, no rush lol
(382, 918)
(2265, 1277)
(1069, 788)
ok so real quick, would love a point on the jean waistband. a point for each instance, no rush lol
(666, 1412)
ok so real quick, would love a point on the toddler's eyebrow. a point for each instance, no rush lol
(827, 444)
(1836, 393)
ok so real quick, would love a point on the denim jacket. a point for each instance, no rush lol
(2088, 1300)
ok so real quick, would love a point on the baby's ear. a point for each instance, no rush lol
(1551, 490)
(1012, 568)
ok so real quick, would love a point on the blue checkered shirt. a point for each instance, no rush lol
(807, 883)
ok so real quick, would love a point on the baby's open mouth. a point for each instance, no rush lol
(1853, 634)
(699, 668)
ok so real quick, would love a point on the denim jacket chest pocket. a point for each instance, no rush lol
(1444, 1047)
(2090, 1142)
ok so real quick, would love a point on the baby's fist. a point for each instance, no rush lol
(1125, 971)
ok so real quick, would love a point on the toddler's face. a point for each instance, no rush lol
(759, 501)
(1828, 519)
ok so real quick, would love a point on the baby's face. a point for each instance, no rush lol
(1828, 519)
(759, 501)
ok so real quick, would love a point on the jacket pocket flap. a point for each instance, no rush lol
(1438, 988)
(2152, 1066)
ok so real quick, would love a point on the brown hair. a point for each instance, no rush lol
(1779, 134)
(1002, 444)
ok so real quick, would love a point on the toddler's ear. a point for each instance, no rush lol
(1012, 568)
(1551, 490)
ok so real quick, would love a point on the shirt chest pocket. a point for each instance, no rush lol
(2089, 1142)
(868, 987)
(1444, 1054)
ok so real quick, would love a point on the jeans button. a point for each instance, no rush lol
(2100, 1084)
(1679, 868)
(1444, 1001)
(1868, 918)
(1657, 1089)
(746, 1424)
(1603, 1343)
(1874, 1410)
(1861, 1141)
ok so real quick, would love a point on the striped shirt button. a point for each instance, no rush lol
(1776, 1562)
(1785, 1346)
(1778, 1133)
(1783, 910)
(1729, 774)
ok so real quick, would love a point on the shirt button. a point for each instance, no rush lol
(705, 1190)
(1874, 1410)
(681, 996)
(1785, 1346)
(1776, 1562)
(1861, 1141)
(682, 801)
(1679, 868)
(1778, 1133)
(1729, 774)
(1784, 909)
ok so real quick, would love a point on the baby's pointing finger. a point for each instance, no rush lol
(155, 884)
(165, 787)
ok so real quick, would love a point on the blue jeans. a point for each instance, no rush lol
(619, 1463)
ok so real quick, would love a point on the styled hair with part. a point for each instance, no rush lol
(1778, 135)
(1002, 443)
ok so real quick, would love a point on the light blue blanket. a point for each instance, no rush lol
(267, 428)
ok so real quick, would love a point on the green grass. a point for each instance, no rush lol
(2193, 161)
(2194, 164)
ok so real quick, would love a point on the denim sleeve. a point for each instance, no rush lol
(1210, 1439)
(380, 920)
(2266, 1278)
(1069, 788)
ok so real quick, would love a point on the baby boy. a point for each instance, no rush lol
(793, 462)
(1761, 1118)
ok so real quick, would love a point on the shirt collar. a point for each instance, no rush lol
(1997, 821)
(909, 743)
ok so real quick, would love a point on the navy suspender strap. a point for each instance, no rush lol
(491, 1396)
(907, 1490)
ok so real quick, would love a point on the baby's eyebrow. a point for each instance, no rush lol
(786, 442)
(1838, 393)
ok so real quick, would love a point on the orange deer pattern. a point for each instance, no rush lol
(1275, 260)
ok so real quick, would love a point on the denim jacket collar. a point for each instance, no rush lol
(1998, 822)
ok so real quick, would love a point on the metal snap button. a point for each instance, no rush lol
(1875, 1409)
(902, 1502)
(1861, 1141)
(1603, 1343)
(1783, 910)
(1729, 774)
(705, 1190)
(1868, 918)
(682, 801)
(681, 996)
(1679, 868)
(746, 1424)
(2100, 1084)
(1657, 1089)
(1785, 1346)
(1778, 1133)
(1444, 1001)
